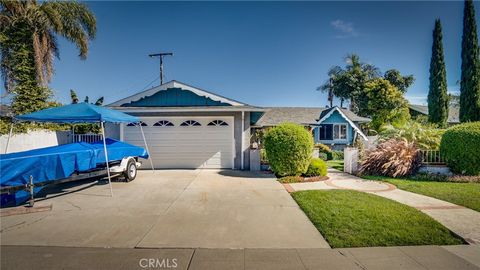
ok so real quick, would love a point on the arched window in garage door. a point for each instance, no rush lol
(136, 124)
(190, 123)
(163, 123)
(218, 123)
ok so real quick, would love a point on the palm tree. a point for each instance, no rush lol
(43, 22)
(329, 86)
(75, 99)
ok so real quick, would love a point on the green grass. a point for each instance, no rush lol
(336, 164)
(464, 194)
(348, 218)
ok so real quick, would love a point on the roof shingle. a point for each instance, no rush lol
(299, 115)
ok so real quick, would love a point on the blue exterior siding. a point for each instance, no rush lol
(335, 118)
(174, 97)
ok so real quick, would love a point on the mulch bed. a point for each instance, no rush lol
(301, 179)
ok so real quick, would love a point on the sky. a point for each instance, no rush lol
(260, 53)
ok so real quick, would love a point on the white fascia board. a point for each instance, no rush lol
(359, 131)
(175, 84)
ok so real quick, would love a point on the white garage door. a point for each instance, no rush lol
(186, 142)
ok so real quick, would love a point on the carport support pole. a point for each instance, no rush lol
(106, 158)
(146, 147)
(9, 136)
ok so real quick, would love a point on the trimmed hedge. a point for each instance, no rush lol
(460, 146)
(317, 167)
(289, 149)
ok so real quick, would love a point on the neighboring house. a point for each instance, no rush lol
(188, 127)
(338, 127)
(335, 127)
(453, 113)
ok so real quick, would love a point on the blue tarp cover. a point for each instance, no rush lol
(78, 113)
(58, 162)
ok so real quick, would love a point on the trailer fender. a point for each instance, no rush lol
(122, 167)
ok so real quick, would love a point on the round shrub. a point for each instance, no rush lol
(460, 146)
(289, 149)
(317, 167)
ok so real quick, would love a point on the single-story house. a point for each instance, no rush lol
(453, 113)
(188, 127)
(335, 127)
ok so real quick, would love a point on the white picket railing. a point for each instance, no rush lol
(432, 157)
(88, 138)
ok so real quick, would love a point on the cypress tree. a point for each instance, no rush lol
(437, 92)
(470, 79)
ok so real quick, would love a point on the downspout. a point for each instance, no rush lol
(242, 138)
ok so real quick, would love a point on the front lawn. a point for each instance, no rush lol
(348, 218)
(464, 194)
(336, 164)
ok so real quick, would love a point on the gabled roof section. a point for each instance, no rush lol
(211, 98)
(327, 113)
(351, 115)
(453, 112)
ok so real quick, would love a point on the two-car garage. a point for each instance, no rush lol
(186, 142)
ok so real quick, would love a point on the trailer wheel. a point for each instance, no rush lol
(131, 172)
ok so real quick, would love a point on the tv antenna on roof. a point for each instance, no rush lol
(161, 55)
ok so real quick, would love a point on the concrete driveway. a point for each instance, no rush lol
(169, 208)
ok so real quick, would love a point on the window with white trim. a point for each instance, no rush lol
(163, 123)
(218, 123)
(339, 131)
(136, 124)
(190, 123)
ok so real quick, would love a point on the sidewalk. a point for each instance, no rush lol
(460, 220)
(392, 258)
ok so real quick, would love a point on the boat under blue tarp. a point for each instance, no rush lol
(59, 162)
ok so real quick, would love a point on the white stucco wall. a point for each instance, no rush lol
(33, 139)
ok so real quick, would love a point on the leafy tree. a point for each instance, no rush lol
(385, 103)
(99, 101)
(398, 80)
(85, 128)
(349, 83)
(18, 68)
(470, 78)
(437, 93)
(74, 98)
(28, 34)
